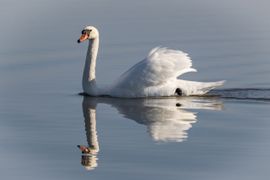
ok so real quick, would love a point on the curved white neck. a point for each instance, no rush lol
(89, 73)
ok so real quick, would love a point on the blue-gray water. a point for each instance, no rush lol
(42, 119)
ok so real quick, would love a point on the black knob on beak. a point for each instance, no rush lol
(78, 41)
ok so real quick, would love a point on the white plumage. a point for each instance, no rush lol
(157, 75)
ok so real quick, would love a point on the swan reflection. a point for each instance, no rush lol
(89, 153)
(167, 120)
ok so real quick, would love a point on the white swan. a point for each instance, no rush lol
(156, 75)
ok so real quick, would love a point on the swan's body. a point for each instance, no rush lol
(155, 76)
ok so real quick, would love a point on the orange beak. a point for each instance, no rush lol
(83, 38)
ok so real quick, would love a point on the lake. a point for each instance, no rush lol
(225, 135)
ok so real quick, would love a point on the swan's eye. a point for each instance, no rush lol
(86, 31)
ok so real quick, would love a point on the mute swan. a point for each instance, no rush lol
(156, 75)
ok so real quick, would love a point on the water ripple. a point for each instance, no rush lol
(262, 94)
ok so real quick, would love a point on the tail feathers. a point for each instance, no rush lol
(198, 88)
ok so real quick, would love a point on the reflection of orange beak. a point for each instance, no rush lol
(83, 38)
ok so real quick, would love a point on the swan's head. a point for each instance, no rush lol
(89, 32)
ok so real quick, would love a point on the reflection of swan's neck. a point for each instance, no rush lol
(89, 73)
(91, 131)
(90, 152)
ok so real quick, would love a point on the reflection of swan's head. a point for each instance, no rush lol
(89, 32)
(167, 120)
(90, 152)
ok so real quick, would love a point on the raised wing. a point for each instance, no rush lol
(161, 65)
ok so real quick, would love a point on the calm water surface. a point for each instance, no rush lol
(43, 119)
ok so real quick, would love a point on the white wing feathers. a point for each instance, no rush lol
(161, 65)
(157, 74)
